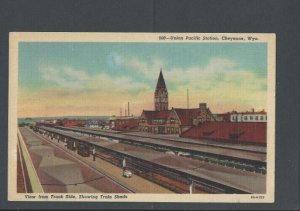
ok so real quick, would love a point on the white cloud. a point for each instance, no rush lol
(72, 79)
(220, 83)
(149, 70)
(65, 77)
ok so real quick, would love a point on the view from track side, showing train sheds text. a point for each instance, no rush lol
(113, 116)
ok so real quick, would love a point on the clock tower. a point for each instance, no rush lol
(161, 94)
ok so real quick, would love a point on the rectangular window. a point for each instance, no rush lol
(245, 117)
(261, 117)
(256, 117)
(251, 117)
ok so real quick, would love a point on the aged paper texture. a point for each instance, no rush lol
(141, 117)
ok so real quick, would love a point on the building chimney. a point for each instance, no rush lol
(252, 110)
(202, 106)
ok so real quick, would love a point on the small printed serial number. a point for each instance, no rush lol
(257, 197)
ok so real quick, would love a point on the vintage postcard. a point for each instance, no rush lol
(141, 117)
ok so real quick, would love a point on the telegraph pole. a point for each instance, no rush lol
(187, 98)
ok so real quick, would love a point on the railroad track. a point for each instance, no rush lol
(149, 174)
(216, 145)
(228, 161)
(255, 158)
(214, 185)
(98, 171)
(168, 180)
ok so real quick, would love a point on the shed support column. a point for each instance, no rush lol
(191, 187)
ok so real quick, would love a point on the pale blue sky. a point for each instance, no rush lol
(103, 57)
(135, 66)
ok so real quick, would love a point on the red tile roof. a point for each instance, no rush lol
(186, 116)
(150, 115)
(253, 132)
(127, 125)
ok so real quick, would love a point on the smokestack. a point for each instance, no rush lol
(128, 110)
(187, 98)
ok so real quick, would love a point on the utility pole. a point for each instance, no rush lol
(128, 110)
(187, 98)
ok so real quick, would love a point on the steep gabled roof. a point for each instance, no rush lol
(150, 115)
(186, 116)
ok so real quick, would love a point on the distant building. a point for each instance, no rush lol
(74, 123)
(92, 124)
(225, 117)
(49, 123)
(248, 116)
(126, 124)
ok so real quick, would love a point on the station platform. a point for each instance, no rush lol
(55, 170)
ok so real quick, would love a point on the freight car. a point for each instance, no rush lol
(83, 150)
(35, 129)
(71, 145)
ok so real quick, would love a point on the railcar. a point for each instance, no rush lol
(83, 150)
(71, 145)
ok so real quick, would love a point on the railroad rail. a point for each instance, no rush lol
(186, 176)
(235, 158)
(221, 152)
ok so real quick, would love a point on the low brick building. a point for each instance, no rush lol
(126, 124)
(74, 123)
(153, 121)
(238, 132)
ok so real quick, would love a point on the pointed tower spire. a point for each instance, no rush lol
(161, 94)
(161, 81)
